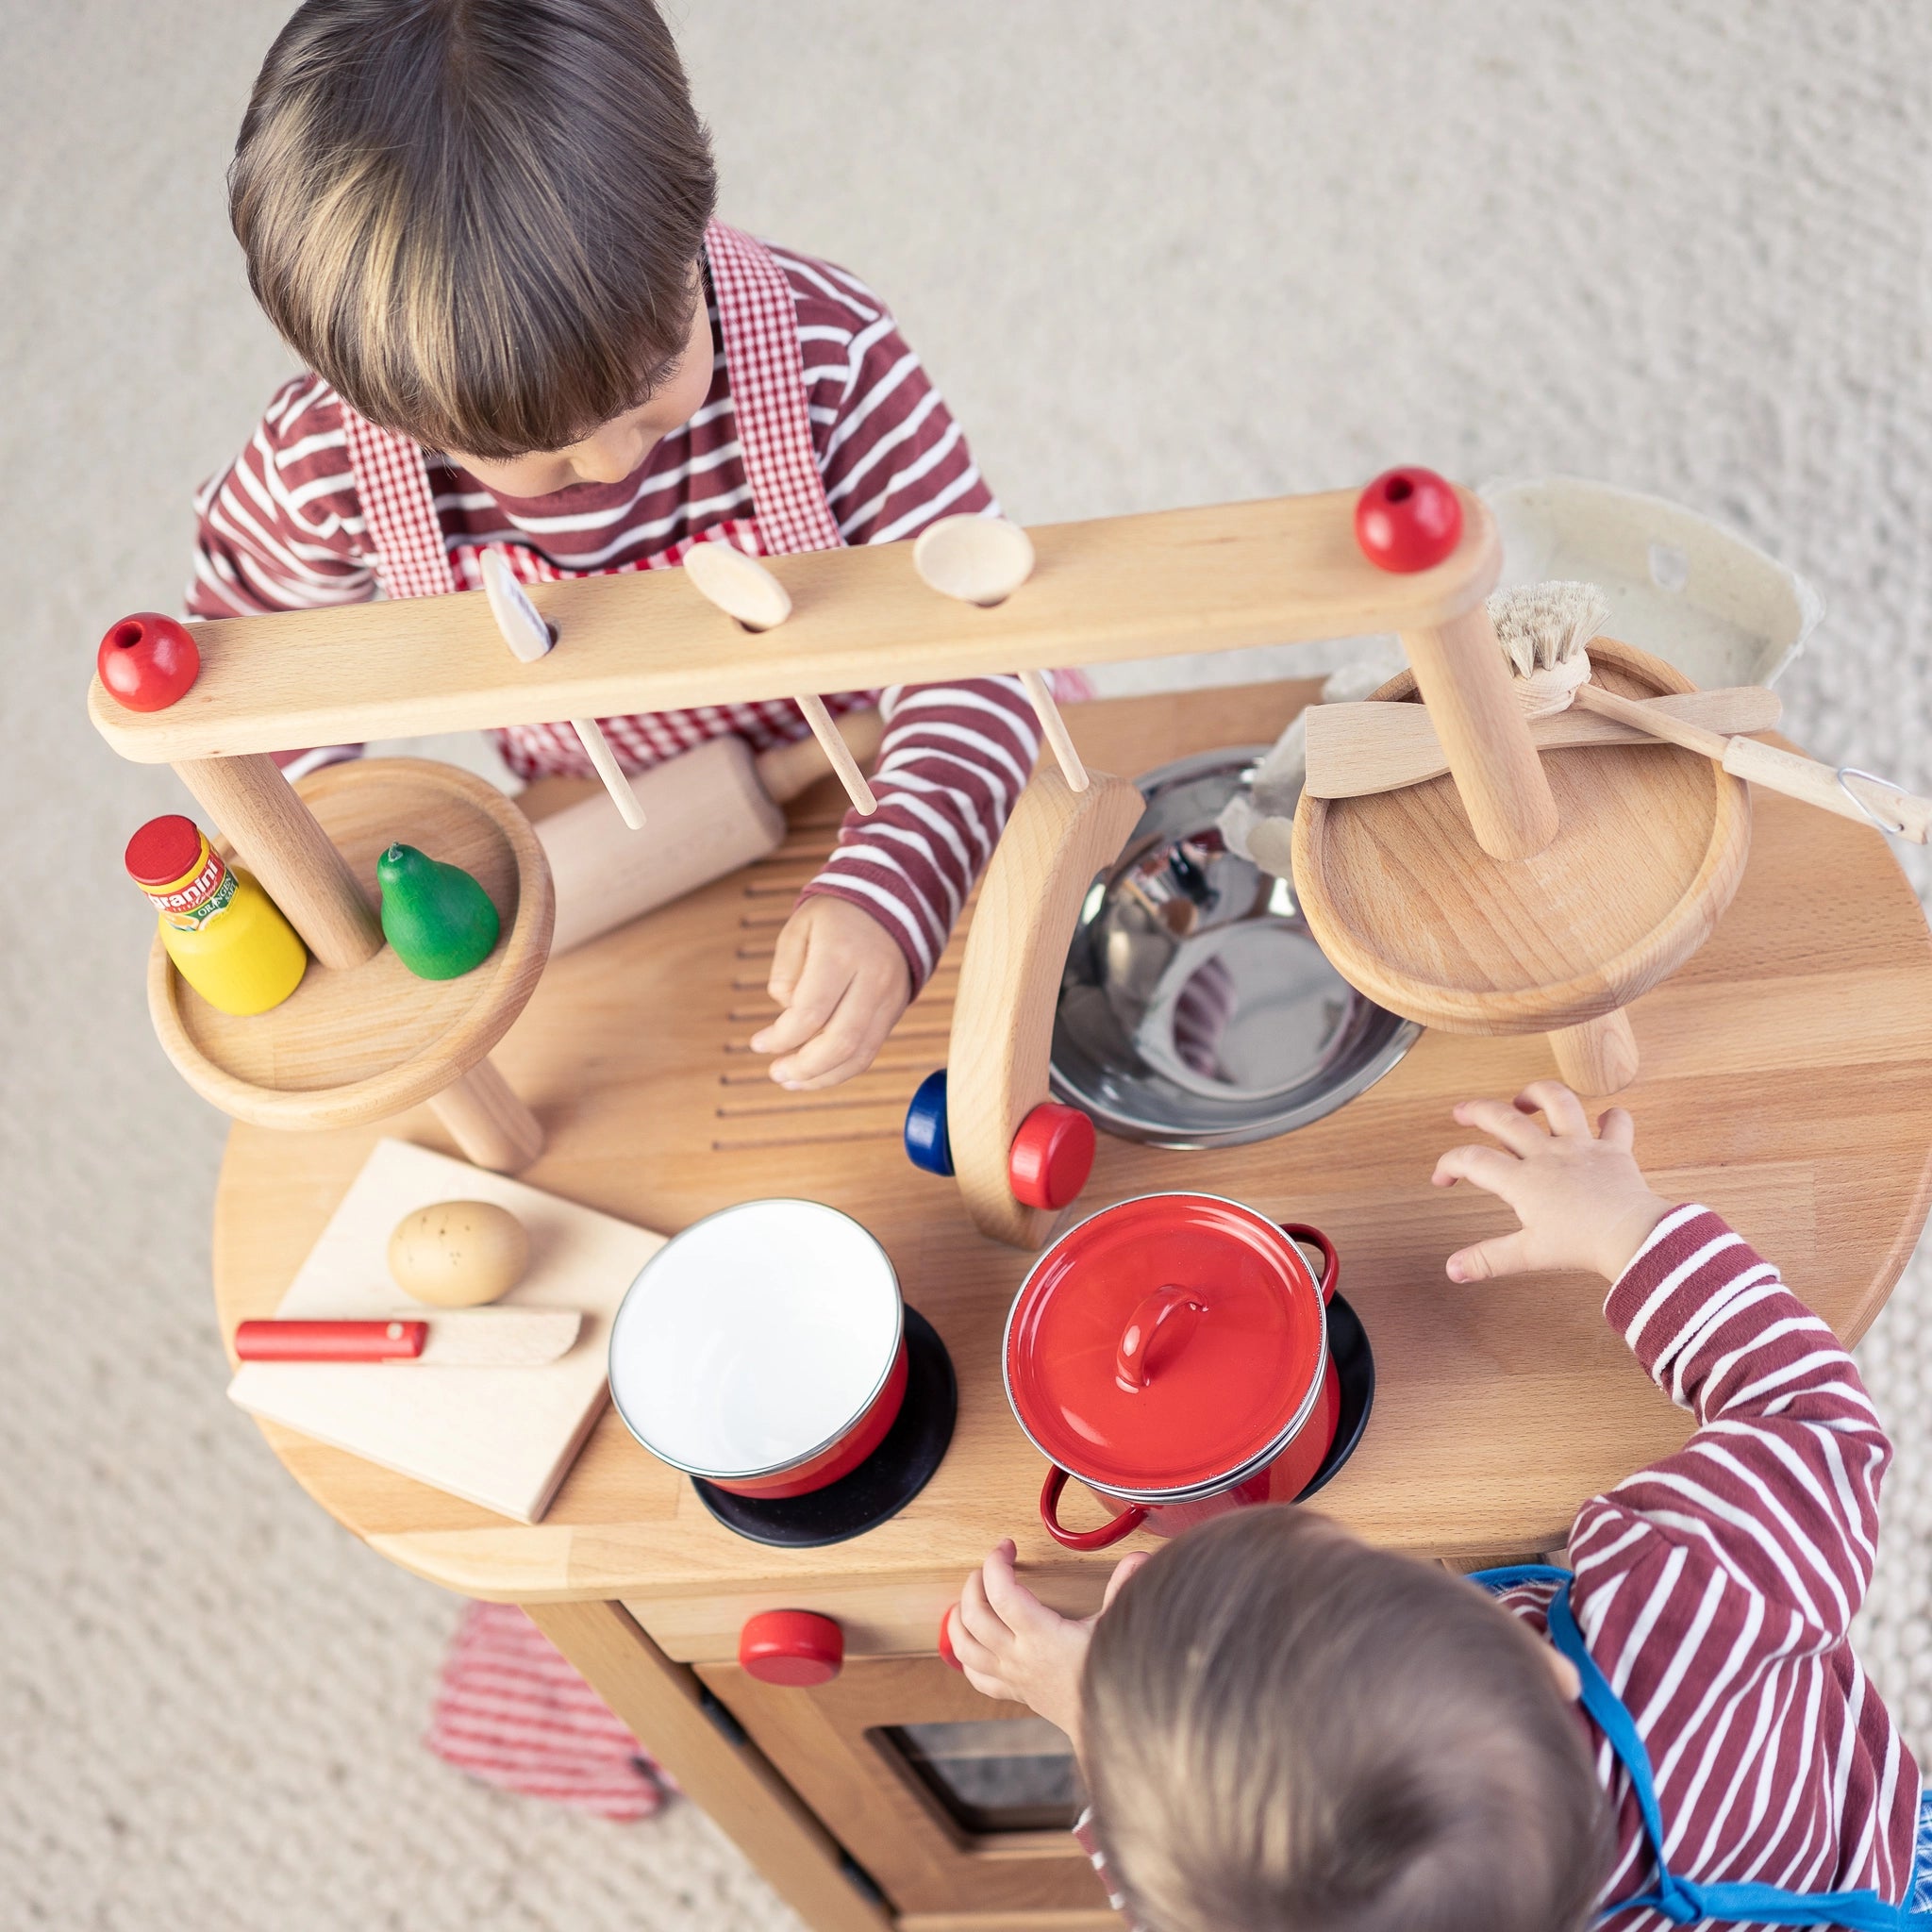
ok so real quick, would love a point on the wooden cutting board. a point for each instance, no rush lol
(503, 1438)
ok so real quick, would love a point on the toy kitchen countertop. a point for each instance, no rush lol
(1786, 1081)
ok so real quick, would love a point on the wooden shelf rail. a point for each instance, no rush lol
(1217, 577)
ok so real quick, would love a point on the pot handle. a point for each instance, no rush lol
(1133, 1360)
(1129, 1519)
(1331, 1262)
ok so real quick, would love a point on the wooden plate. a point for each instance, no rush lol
(1416, 915)
(347, 1047)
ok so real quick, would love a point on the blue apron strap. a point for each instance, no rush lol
(1682, 1901)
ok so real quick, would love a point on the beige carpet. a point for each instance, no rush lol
(1157, 252)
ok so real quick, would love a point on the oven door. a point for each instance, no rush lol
(952, 1802)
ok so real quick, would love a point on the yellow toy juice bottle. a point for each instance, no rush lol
(225, 935)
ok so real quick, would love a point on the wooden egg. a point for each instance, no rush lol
(458, 1254)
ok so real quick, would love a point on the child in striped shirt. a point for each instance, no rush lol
(1283, 1727)
(488, 232)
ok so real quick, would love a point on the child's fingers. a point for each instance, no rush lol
(808, 1004)
(788, 959)
(1617, 1129)
(1122, 1571)
(1490, 1168)
(978, 1617)
(1516, 1131)
(988, 1685)
(973, 1654)
(844, 1047)
(1507, 1254)
(1011, 1600)
(1561, 1107)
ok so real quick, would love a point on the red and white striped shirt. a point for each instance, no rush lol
(283, 530)
(1716, 1590)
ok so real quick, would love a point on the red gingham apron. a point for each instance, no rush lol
(758, 322)
(510, 1710)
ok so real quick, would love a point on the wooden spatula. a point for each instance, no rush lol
(1358, 749)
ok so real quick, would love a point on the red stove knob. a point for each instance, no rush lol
(1051, 1157)
(797, 1648)
(947, 1653)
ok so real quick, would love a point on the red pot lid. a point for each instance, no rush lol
(1164, 1344)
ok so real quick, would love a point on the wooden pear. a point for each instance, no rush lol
(439, 920)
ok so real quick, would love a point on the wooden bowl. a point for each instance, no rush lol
(347, 1047)
(1416, 915)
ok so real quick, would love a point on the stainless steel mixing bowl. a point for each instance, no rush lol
(1196, 1009)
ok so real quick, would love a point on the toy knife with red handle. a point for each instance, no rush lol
(468, 1338)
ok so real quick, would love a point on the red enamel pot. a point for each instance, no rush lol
(1171, 1354)
(762, 1349)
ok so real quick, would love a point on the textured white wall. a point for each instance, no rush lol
(1156, 253)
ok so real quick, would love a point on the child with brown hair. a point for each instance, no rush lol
(1283, 1727)
(485, 227)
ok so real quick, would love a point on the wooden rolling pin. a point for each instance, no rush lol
(707, 811)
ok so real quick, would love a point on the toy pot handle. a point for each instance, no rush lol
(1129, 1519)
(1133, 1361)
(1331, 1262)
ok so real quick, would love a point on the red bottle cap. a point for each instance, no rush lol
(1165, 1344)
(163, 850)
(1051, 1157)
(798, 1648)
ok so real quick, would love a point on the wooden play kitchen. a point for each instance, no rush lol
(1780, 973)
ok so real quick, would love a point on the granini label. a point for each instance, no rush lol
(207, 892)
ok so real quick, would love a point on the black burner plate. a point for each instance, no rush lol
(1354, 1369)
(890, 1478)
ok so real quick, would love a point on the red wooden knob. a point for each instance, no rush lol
(1051, 1157)
(147, 661)
(1407, 519)
(793, 1647)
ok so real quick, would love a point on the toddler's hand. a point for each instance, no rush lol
(1581, 1197)
(1012, 1647)
(843, 983)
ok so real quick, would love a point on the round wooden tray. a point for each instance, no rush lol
(1416, 915)
(348, 1047)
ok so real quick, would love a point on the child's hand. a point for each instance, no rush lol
(1581, 1197)
(1012, 1647)
(843, 983)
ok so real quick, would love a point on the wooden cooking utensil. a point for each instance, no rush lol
(714, 808)
(1355, 750)
(743, 588)
(1545, 631)
(983, 560)
(530, 637)
(1842, 789)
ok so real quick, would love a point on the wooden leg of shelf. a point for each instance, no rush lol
(1599, 1057)
(1463, 679)
(276, 837)
(1002, 1037)
(733, 1783)
(491, 1125)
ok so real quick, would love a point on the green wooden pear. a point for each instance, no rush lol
(436, 916)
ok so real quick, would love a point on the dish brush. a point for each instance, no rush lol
(1545, 630)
